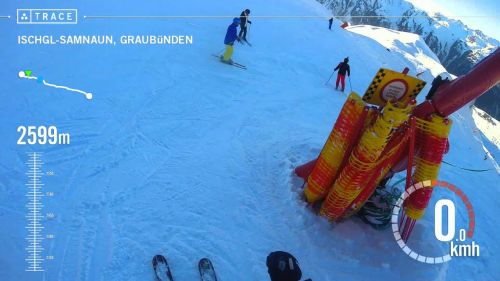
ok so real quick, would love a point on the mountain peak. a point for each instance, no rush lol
(457, 46)
(449, 38)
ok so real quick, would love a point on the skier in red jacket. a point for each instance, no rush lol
(343, 67)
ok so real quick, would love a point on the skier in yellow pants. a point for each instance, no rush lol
(231, 36)
(228, 53)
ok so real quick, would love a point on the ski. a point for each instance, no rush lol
(207, 271)
(161, 269)
(339, 90)
(239, 65)
(235, 64)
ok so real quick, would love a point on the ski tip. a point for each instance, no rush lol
(205, 264)
(159, 259)
(161, 269)
(204, 260)
(206, 270)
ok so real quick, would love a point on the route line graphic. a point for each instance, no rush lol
(27, 75)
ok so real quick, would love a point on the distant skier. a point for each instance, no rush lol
(231, 36)
(282, 266)
(330, 22)
(343, 68)
(243, 25)
(486, 156)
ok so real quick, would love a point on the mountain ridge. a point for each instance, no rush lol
(457, 46)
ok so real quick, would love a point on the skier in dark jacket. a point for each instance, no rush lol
(343, 68)
(231, 36)
(330, 21)
(243, 24)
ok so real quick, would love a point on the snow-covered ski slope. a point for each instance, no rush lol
(488, 125)
(410, 48)
(181, 155)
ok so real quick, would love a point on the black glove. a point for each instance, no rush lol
(251, 23)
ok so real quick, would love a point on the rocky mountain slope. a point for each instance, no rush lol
(457, 46)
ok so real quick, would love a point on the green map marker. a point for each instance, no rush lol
(28, 72)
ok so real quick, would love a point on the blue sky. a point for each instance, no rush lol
(489, 10)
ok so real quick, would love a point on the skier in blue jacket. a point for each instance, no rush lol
(231, 36)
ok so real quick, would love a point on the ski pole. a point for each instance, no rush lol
(248, 32)
(329, 78)
(350, 86)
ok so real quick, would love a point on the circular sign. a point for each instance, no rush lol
(394, 90)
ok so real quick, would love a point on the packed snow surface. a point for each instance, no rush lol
(181, 155)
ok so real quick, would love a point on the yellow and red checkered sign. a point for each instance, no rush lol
(391, 85)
